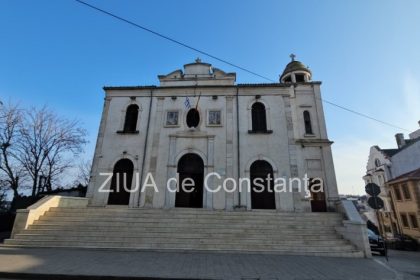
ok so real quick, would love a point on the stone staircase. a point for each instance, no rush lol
(188, 230)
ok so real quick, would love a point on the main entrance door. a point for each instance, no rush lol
(190, 166)
(262, 198)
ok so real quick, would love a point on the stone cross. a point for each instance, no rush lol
(292, 56)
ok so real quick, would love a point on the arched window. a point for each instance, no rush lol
(377, 162)
(259, 120)
(308, 123)
(300, 78)
(193, 118)
(131, 115)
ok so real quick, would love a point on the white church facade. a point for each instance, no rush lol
(198, 121)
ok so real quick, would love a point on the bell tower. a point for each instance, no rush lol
(296, 72)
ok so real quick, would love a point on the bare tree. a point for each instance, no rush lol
(12, 171)
(3, 196)
(83, 172)
(47, 143)
(70, 139)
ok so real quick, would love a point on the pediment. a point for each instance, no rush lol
(173, 75)
(197, 73)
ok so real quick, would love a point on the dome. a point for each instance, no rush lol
(295, 67)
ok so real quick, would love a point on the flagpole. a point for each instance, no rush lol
(198, 100)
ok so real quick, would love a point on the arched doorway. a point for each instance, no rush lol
(121, 182)
(264, 199)
(190, 166)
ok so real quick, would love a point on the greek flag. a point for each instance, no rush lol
(187, 103)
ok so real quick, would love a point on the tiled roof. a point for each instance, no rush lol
(392, 152)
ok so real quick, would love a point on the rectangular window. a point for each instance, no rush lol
(215, 117)
(397, 192)
(172, 118)
(404, 220)
(413, 221)
(406, 191)
(300, 78)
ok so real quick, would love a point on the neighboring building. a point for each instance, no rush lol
(378, 172)
(199, 121)
(386, 164)
(405, 193)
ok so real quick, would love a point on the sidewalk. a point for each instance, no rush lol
(403, 261)
(18, 262)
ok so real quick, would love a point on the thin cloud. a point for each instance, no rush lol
(351, 154)
(411, 98)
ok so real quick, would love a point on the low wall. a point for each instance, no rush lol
(26, 217)
(354, 228)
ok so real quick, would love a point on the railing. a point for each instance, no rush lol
(26, 217)
(354, 227)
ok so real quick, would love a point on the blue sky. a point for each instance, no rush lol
(366, 53)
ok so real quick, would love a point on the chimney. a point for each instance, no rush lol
(400, 140)
(415, 134)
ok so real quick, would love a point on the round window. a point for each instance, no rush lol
(193, 118)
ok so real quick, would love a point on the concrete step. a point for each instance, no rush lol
(171, 229)
(291, 235)
(177, 245)
(188, 229)
(315, 252)
(182, 212)
(192, 225)
(103, 212)
(49, 217)
(180, 220)
(187, 212)
(178, 238)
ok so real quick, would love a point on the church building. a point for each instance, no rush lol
(198, 121)
(232, 143)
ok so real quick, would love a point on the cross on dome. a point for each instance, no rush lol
(292, 56)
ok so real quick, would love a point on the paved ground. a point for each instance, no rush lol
(404, 262)
(97, 263)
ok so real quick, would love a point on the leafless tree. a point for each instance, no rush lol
(12, 172)
(47, 143)
(83, 172)
(3, 196)
(36, 144)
